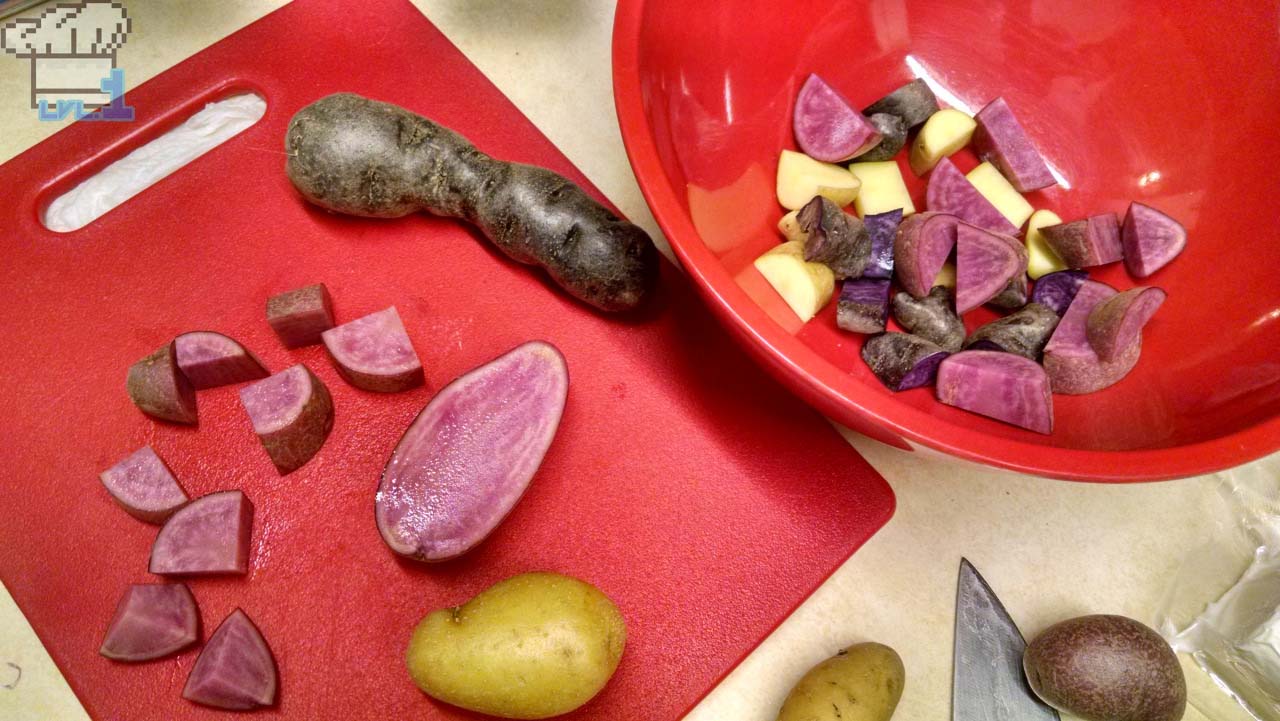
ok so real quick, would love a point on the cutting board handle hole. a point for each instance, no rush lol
(214, 124)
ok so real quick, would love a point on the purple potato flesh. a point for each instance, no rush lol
(913, 102)
(883, 229)
(923, 243)
(374, 353)
(1001, 139)
(834, 238)
(235, 669)
(950, 192)
(864, 305)
(211, 359)
(1116, 323)
(1086, 243)
(902, 361)
(299, 316)
(1003, 386)
(466, 460)
(159, 389)
(152, 620)
(893, 135)
(932, 318)
(1055, 291)
(1150, 239)
(144, 486)
(1023, 333)
(209, 535)
(827, 127)
(1073, 366)
(292, 413)
(986, 263)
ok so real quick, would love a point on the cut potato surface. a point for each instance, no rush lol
(801, 177)
(944, 133)
(883, 189)
(1041, 258)
(995, 188)
(806, 287)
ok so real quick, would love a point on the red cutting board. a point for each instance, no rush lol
(683, 482)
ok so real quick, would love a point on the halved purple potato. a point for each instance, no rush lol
(923, 243)
(893, 135)
(1001, 139)
(1055, 291)
(159, 389)
(1150, 240)
(1116, 323)
(292, 413)
(834, 238)
(864, 305)
(299, 316)
(466, 460)
(152, 620)
(913, 102)
(932, 317)
(950, 192)
(883, 230)
(1073, 366)
(374, 353)
(144, 486)
(209, 535)
(235, 670)
(1086, 243)
(1023, 333)
(902, 361)
(1003, 386)
(986, 264)
(211, 359)
(827, 127)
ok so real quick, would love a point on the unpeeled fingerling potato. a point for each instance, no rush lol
(861, 683)
(533, 646)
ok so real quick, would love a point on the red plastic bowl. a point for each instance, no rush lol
(1170, 103)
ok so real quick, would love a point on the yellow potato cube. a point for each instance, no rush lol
(806, 287)
(945, 132)
(946, 276)
(882, 189)
(801, 177)
(995, 188)
(1041, 258)
(790, 227)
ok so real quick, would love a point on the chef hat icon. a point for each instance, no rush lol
(72, 48)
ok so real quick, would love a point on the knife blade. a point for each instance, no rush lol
(988, 683)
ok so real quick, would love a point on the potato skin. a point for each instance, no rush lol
(861, 683)
(362, 157)
(533, 646)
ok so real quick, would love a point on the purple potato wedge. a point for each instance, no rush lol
(913, 102)
(932, 318)
(1117, 322)
(1055, 291)
(883, 229)
(468, 457)
(144, 486)
(1073, 366)
(950, 192)
(207, 536)
(374, 353)
(152, 620)
(1001, 139)
(1150, 240)
(986, 263)
(1023, 333)
(834, 238)
(299, 316)
(827, 127)
(902, 361)
(1003, 386)
(893, 135)
(292, 413)
(235, 669)
(864, 305)
(921, 248)
(1087, 242)
(159, 389)
(211, 359)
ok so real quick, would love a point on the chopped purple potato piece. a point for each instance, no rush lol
(834, 238)
(1023, 333)
(299, 316)
(827, 127)
(893, 135)
(211, 359)
(950, 192)
(235, 669)
(864, 305)
(292, 413)
(1150, 239)
(923, 243)
(144, 486)
(209, 535)
(932, 318)
(1001, 139)
(152, 620)
(913, 102)
(883, 229)
(902, 361)
(466, 460)
(1055, 291)
(1014, 294)
(374, 353)
(1073, 366)
(159, 389)
(1085, 243)
(1003, 386)
(986, 263)
(1116, 323)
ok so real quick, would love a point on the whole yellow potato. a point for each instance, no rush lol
(861, 683)
(532, 646)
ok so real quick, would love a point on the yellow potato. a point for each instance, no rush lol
(790, 228)
(1041, 258)
(533, 646)
(1000, 192)
(806, 287)
(882, 189)
(861, 683)
(945, 132)
(801, 177)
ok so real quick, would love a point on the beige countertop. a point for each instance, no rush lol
(1050, 549)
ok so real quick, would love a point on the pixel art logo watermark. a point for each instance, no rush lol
(72, 50)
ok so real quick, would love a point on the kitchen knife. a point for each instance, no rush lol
(988, 683)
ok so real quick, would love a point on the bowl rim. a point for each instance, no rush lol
(811, 377)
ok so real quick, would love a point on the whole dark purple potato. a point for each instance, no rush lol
(1106, 668)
